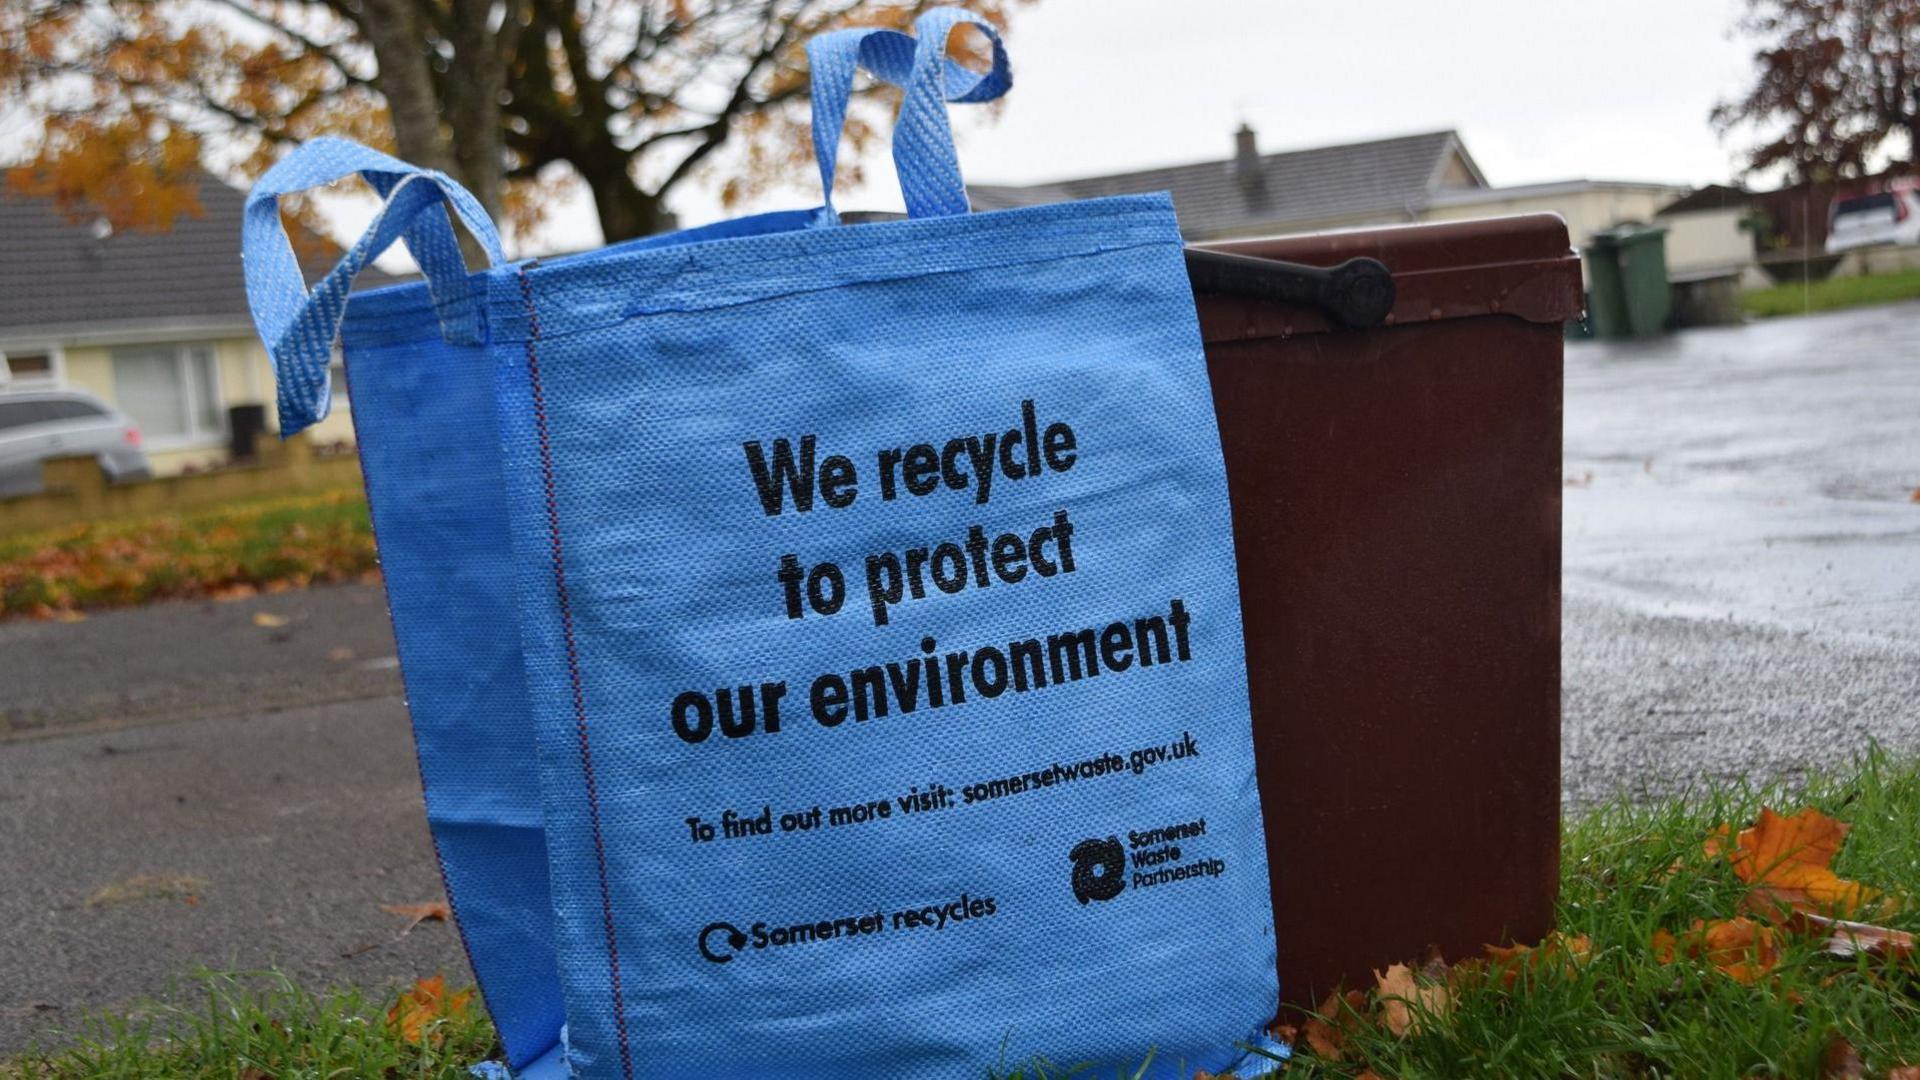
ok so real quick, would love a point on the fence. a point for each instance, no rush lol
(77, 492)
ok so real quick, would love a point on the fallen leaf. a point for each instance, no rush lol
(340, 654)
(148, 887)
(1742, 949)
(239, 590)
(1904, 1072)
(1326, 1030)
(432, 911)
(1407, 1001)
(1845, 938)
(68, 615)
(1915, 498)
(268, 619)
(1794, 855)
(1841, 1061)
(1509, 961)
(416, 1014)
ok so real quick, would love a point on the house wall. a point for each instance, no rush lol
(1707, 240)
(244, 378)
(1585, 212)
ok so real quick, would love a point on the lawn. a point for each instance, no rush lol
(1798, 299)
(228, 551)
(1631, 986)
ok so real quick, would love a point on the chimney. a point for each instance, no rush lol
(1246, 160)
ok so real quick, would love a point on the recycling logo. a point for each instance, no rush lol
(719, 941)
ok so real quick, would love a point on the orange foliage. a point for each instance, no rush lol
(1741, 949)
(416, 1016)
(1794, 855)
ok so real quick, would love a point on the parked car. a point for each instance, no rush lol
(39, 424)
(1882, 217)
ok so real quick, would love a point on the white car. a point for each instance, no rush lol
(39, 424)
(1884, 217)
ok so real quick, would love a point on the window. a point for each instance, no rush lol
(27, 367)
(69, 409)
(171, 391)
(1864, 204)
(18, 414)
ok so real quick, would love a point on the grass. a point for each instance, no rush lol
(262, 1027)
(1798, 299)
(1628, 870)
(268, 544)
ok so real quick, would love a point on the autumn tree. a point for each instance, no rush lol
(132, 99)
(1837, 87)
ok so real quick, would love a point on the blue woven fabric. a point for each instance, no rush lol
(901, 894)
(878, 636)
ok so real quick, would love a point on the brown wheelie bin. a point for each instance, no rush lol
(1396, 479)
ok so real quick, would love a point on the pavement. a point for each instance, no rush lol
(182, 786)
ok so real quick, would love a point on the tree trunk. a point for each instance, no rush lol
(625, 211)
(399, 47)
(407, 84)
(474, 84)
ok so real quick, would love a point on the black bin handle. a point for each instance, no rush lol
(1358, 293)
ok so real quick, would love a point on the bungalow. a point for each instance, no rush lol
(1424, 177)
(155, 323)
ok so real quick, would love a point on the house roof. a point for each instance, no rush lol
(1711, 197)
(1550, 189)
(65, 282)
(1380, 178)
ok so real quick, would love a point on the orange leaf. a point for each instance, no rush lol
(1408, 1001)
(435, 910)
(1326, 1030)
(419, 1009)
(1508, 961)
(1794, 854)
(1742, 949)
(1904, 1072)
(432, 911)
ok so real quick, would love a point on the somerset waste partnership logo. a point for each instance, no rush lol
(1099, 869)
(1103, 869)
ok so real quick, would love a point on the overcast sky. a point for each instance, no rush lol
(1539, 89)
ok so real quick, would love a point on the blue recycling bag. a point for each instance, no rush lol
(877, 616)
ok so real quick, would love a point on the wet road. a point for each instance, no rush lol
(1742, 599)
(1742, 550)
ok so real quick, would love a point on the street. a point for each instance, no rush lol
(183, 786)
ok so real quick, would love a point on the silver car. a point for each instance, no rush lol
(39, 424)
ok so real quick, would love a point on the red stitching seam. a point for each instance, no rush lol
(573, 669)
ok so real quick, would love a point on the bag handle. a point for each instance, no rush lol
(923, 151)
(922, 133)
(300, 326)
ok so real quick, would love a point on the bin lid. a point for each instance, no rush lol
(1520, 267)
(1627, 233)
